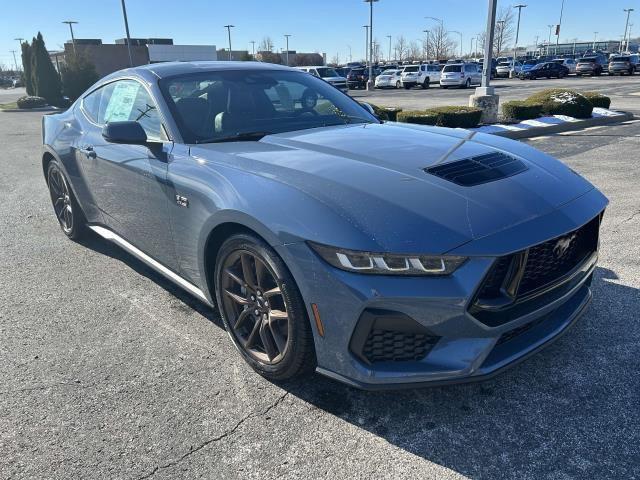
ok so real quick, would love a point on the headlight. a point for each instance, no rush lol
(388, 263)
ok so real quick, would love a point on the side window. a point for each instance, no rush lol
(91, 104)
(422, 67)
(130, 101)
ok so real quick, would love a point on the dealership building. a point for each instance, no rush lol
(109, 57)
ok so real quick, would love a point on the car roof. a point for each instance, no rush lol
(169, 69)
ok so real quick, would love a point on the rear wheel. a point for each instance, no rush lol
(70, 217)
(407, 87)
(426, 83)
(262, 309)
(398, 84)
(467, 84)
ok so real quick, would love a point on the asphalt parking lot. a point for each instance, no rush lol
(109, 371)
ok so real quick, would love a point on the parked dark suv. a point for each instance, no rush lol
(358, 78)
(594, 65)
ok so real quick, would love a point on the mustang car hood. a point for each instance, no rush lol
(374, 176)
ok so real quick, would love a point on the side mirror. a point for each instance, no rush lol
(130, 133)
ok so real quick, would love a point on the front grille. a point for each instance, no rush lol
(394, 346)
(478, 170)
(549, 261)
(515, 280)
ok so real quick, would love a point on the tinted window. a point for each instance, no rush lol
(621, 59)
(274, 101)
(452, 68)
(410, 69)
(128, 100)
(327, 72)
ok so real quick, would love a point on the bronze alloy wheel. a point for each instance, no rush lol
(61, 199)
(255, 307)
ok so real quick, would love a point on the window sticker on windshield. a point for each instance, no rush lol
(121, 102)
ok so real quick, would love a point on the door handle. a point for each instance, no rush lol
(88, 151)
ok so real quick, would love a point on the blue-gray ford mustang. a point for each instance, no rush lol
(377, 253)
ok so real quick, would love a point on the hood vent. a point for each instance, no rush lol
(478, 170)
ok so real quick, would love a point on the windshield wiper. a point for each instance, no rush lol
(238, 137)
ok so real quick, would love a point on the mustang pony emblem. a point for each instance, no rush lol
(562, 245)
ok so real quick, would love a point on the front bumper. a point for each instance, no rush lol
(460, 347)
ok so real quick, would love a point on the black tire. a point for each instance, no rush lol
(467, 84)
(407, 87)
(65, 206)
(426, 84)
(398, 84)
(298, 357)
(444, 86)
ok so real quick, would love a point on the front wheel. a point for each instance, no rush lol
(425, 84)
(70, 217)
(398, 84)
(467, 84)
(407, 87)
(262, 309)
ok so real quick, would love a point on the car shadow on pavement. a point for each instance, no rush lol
(96, 243)
(571, 411)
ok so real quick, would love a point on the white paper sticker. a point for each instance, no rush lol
(121, 101)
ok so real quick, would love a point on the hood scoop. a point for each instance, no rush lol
(478, 170)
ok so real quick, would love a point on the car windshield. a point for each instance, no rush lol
(539, 66)
(559, 61)
(621, 59)
(531, 62)
(326, 72)
(389, 72)
(357, 71)
(218, 105)
(452, 68)
(411, 69)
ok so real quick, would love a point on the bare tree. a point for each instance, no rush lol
(265, 45)
(505, 30)
(401, 48)
(414, 51)
(440, 46)
(335, 60)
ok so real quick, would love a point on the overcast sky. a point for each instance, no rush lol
(329, 26)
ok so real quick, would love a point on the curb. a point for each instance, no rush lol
(565, 127)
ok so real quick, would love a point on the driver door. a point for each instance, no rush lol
(129, 182)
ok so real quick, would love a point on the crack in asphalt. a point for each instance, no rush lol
(632, 216)
(222, 436)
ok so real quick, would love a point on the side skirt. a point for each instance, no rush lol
(157, 266)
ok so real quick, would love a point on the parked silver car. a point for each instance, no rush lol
(329, 75)
(461, 75)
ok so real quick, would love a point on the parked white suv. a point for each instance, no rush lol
(461, 75)
(503, 69)
(329, 75)
(423, 75)
(570, 63)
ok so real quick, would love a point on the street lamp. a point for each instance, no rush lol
(559, 27)
(549, 41)
(350, 55)
(459, 33)
(229, 27)
(126, 27)
(595, 40)
(19, 40)
(370, 35)
(389, 37)
(286, 36)
(73, 39)
(253, 48)
(626, 27)
(14, 59)
(515, 47)
(427, 32)
(366, 43)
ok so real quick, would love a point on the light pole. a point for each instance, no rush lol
(229, 27)
(436, 48)
(389, 37)
(350, 56)
(370, 35)
(626, 26)
(549, 41)
(253, 48)
(559, 26)
(515, 47)
(73, 39)
(14, 59)
(488, 50)
(366, 43)
(126, 28)
(286, 36)
(19, 40)
(595, 39)
(459, 33)
(427, 32)
(536, 44)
